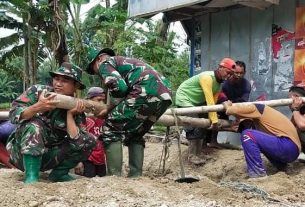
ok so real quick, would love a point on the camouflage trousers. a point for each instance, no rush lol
(30, 138)
(129, 122)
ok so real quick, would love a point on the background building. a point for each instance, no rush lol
(266, 34)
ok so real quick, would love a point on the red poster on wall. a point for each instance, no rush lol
(283, 51)
(299, 55)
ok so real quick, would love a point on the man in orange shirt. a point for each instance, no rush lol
(274, 135)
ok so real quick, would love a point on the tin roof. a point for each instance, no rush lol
(185, 9)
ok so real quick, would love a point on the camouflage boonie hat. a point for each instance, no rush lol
(69, 70)
(92, 55)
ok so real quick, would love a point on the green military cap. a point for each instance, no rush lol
(93, 53)
(70, 70)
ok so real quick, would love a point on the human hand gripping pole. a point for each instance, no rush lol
(218, 125)
(69, 102)
(46, 103)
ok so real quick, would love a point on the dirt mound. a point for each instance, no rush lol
(223, 182)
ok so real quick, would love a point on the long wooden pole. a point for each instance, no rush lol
(69, 102)
(219, 107)
(167, 119)
(4, 115)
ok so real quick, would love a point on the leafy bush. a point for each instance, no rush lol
(5, 105)
(7, 87)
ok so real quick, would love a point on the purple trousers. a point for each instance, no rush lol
(278, 150)
(6, 128)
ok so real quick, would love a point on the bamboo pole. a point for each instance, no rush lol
(219, 107)
(4, 115)
(69, 102)
(169, 120)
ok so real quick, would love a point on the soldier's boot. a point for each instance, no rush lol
(61, 172)
(114, 158)
(136, 157)
(195, 147)
(32, 166)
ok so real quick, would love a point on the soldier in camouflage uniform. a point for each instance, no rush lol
(139, 95)
(48, 137)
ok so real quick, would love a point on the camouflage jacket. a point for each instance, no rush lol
(55, 120)
(133, 79)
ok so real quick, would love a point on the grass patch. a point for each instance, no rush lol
(5, 105)
(159, 128)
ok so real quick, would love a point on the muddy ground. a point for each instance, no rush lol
(223, 182)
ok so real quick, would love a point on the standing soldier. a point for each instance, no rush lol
(139, 95)
(48, 137)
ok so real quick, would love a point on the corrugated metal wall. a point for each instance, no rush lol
(245, 34)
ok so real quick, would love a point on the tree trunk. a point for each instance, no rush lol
(29, 47)
(26, 71)
(123, 4)
(107, 3)
(163, 31)
(77, 36)
(59, 46)
(30, 58)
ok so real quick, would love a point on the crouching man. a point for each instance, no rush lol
(274, 136)
(46, 137)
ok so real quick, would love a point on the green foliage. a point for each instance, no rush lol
(139, 38)
(9, 40)
(43, 71)
(7, 87)
(179, 70)
(103, 27)
(6, 105)
(159, 128)
(14, 67)
(7, 21)
(80, 1)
